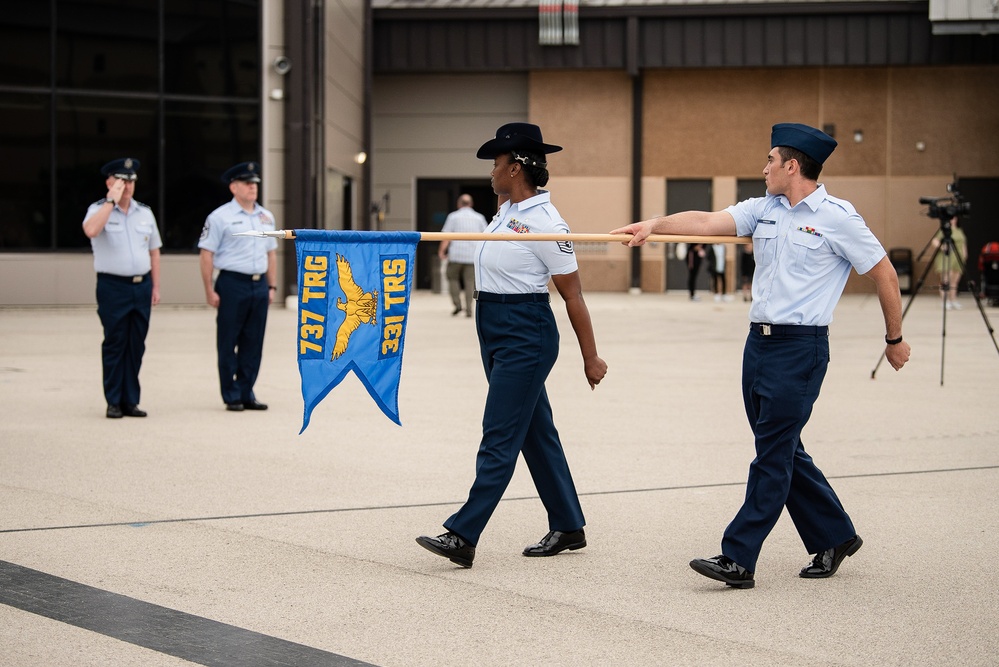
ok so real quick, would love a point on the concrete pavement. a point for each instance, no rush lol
(307, 541)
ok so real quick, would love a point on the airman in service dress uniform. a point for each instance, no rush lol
(126, 244)
(519, 341)
(245, 286)
(805, 242)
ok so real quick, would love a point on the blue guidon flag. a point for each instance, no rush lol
(353, 306)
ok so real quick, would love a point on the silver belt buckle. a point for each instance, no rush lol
(765, 329)
(136, 279)
(256, 276)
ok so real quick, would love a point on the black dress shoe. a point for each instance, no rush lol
(234, 407)
(114, 412)
(132, 411)
(254, 404)
(723, 568)
(450, 546)
(455, 311)
(827, 562)
(556, 542)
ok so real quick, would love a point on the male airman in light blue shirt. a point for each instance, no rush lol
(805, 243)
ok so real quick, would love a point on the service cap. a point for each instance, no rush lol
(244, 171)
(816, 144)
(124, 168)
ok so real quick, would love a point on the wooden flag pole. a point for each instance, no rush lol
(289, 234)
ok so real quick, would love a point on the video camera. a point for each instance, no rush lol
(947, 208)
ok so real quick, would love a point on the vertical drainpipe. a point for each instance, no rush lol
(293, 140)
(632, 59)
(300, 92)
(364, 209)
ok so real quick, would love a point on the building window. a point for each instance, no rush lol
(173, 84)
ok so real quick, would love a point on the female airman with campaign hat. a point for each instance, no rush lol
(518, 341)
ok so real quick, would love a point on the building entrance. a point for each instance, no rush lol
(435, 198)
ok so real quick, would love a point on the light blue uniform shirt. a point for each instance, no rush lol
(238, 253)
(803, 255)
(464, 220)
(122, 248)
(511, 267)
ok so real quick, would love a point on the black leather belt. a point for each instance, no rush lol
(125, 279)
(544, 297)
(255, 277)
(787, 330)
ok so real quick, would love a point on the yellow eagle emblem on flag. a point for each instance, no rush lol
(360, 307)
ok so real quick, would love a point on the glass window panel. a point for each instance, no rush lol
(25, 178)
(108, 45)
(202, 141)
(212, 48)
(25, 36)
(91, 131)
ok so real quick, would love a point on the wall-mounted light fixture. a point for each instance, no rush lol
(858, 136)
(277, 94)
(361, 157)
(920, 146)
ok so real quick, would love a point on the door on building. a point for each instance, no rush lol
(435, 198)
(686, 195)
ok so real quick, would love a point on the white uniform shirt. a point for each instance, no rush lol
(512, 267)
(238, 253)
(464, 220)
(803, 255)
(122, 248)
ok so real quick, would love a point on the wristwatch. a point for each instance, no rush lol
(892, 341)
(111, 201)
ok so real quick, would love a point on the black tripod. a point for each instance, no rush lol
(950, 254)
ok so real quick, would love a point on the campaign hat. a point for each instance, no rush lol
(816, 144)
(244, 171)
(124, 168)
(516, 137)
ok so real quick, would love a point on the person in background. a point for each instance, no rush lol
(806, 242)
(946, 264)
(460, 255)
(126, 244)
(245, 287)
(747, 267)
(519, 341)
(695, 255)
(718, 272)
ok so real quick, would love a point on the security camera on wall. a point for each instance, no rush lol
(282, 65)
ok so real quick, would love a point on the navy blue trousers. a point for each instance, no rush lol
(124, 309)
(241, 321)
(519, 346)
(781, 378)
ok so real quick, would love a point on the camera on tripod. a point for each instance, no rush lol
(945, 209)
